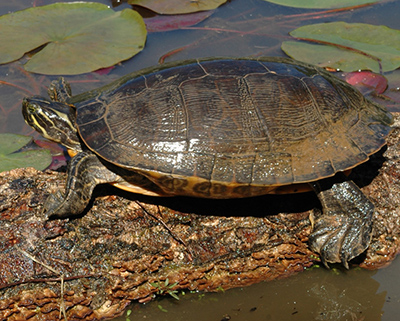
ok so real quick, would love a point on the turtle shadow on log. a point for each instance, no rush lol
(261, 206)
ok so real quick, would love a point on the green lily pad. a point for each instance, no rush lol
(321, 4)
(77, 37)
(10, 158)
(177, 6)
(359, 46)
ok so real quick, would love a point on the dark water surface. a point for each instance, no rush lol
(316, 294)
(254, 27)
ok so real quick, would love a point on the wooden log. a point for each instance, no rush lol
(125, 247)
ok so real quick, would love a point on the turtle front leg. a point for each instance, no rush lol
(85, 171)
(345, 228)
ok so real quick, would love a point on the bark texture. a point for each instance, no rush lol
(119, 251)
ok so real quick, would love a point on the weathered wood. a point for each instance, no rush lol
(118, 252)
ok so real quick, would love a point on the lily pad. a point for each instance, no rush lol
(367, 82)
(77, 37)
(352, 46)
(320, 4)
(10, 158)
(177, 6)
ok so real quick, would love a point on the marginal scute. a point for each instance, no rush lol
(231, 127)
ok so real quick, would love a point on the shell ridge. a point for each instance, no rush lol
(315, 105)
(265, 67)
(201, 66)
(247, 101)
(145, 82)
(186, 112)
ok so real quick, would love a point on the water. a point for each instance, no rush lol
(315, 294)
(253, 27)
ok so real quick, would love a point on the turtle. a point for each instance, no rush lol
(221, 128)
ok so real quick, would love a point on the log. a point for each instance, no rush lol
(128, 247)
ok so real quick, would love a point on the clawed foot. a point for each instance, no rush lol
(59, 205)
(53, 204)
(340, 238)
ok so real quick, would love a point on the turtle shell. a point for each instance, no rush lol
(231, 123)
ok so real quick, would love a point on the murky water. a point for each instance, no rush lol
(316, 294)
(254, 28)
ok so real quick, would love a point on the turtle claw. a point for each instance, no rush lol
(53, 204)
(340, 238)
(59, 90)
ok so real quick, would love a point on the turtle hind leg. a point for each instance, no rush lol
(85, 171)
(59, 90)
(344, 230)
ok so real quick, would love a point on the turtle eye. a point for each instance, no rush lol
(32, 109)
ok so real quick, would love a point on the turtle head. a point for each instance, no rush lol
(53, 120)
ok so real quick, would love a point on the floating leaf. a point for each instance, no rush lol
(367, 82)
(321, 4)
(326, 56)
(359, 46)
(77, 37)
(58, 158)
(177, 6)
(10, 158)
(173, 22)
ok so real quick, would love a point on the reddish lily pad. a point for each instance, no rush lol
(161, 23)
(177, 6)
(58, 158)
(77, 37)
(367, 81)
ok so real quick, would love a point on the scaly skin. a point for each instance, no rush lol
(345, 228)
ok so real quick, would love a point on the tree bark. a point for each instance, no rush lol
(125, 246)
